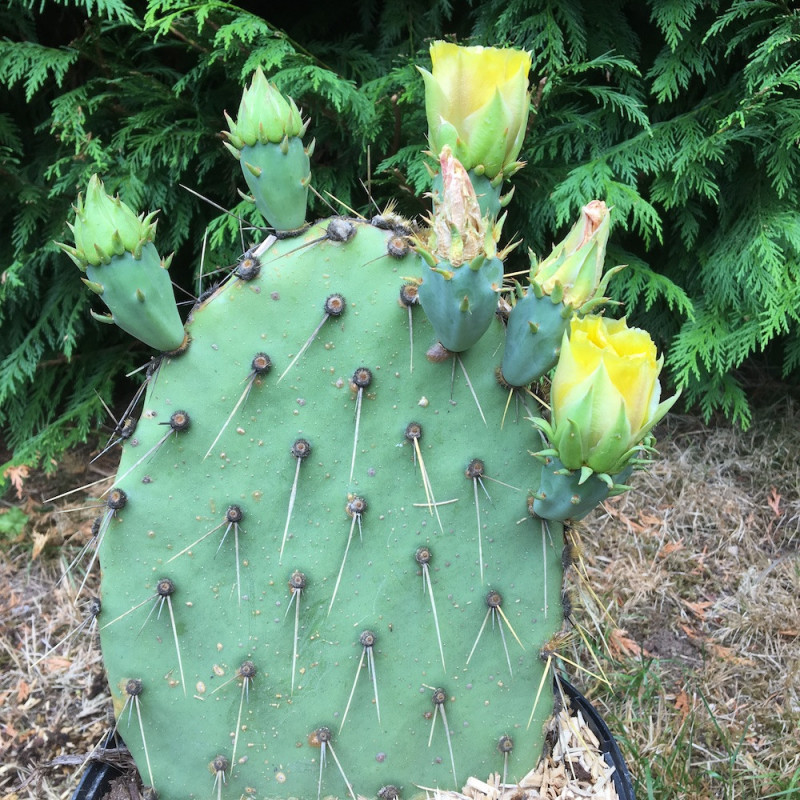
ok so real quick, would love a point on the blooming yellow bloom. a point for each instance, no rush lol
(605, 394)
(477, 101)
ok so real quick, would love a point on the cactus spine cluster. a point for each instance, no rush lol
(322, 570)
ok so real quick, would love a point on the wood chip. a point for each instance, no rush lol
(574, 770)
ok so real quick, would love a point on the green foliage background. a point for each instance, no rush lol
(683, 115)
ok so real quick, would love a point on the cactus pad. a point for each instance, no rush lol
(324, 580)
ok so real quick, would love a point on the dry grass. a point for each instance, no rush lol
(701, 560)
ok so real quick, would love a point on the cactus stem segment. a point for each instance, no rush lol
(409, 297)
(471, 388)
(296, 585)
(123, 430)
(546, 675)
(300, 450)
(178, 423)
(93, 286)
(90, 621)
(478, 515)
(106, 319)
(414, 434)
(505, 745)
(233, 516)
(323, 736)
(219, 766)
(334, 307)
(494, 603)
(133, 688)
(362, 378)
(85, 549)
(164, 590)
(117, 500)
(246, 672)
(367, 640)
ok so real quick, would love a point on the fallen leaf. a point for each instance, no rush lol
(621, 645)
(689, 631)
(57, 664)
(671, 547)
(23, 691)
(40, 541)
(699, 608)
(730, 655)
(17, 477)
(774, 501)
(682, 704)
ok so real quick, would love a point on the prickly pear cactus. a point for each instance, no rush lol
(330, 561)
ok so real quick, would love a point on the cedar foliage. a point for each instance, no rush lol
(685, 116)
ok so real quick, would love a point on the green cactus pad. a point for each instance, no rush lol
(212, 639)
(278, 176)
(461, 305)
(534, 332)
(138, 292)
(568, 494)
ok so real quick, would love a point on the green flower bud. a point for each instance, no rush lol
(575, 265)
(105, 227)
(265, 115)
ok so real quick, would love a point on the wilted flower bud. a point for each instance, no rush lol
(458, 232)
(576, 263)
(460, 289)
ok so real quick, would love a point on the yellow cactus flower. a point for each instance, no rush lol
(477, 101)
(605, 394)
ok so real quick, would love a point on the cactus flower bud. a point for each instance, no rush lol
(105, 227)
(115, 249)
(266, 140)
(576, 263)
(477, 102)
(265, 115)
(605, 394)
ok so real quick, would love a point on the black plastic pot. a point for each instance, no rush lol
(608, 744)
(98, 775)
